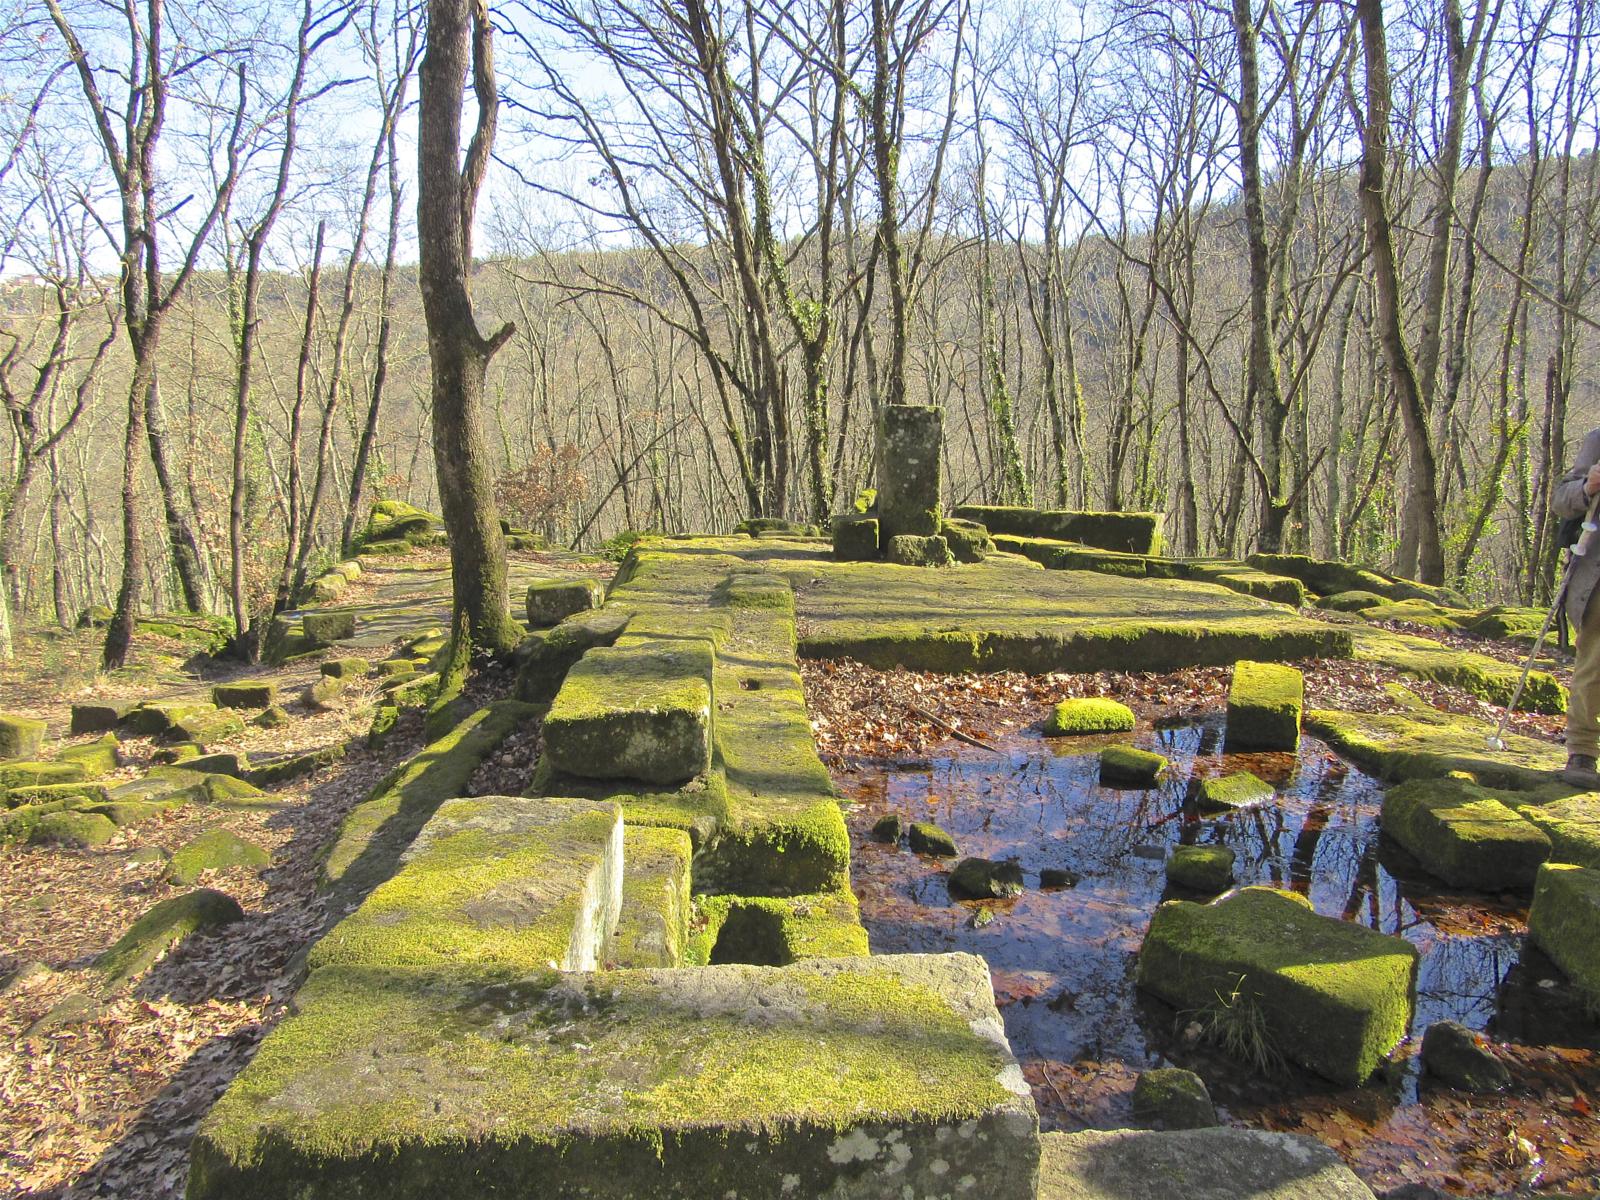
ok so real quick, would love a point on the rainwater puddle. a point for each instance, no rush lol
(1062, 960)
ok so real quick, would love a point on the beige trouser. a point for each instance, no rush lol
(1583, 704)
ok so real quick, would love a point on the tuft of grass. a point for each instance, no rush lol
(1236, 1025)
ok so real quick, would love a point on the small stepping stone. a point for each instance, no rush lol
(214, 851)
(1088, 714)
(1207, 869)
(1265, 702)
(889, 828)
(984, 879)
(1172, 1098)
(1227, 792)
(345, 668)
(1455, 1056)
(244, 695)
(927, 838)
(1128, 766)
(20, 737)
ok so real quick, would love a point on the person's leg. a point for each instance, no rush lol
(1583, 702)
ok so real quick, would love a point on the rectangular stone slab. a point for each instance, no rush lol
(1564, 922)
(1264, 705)
(635, 711)
(1464, 835)
(866, 1078)
(497, 881)
(653, 925)
(1334, 996)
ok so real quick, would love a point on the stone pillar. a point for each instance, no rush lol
(908, 469)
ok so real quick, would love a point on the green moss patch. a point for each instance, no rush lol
(98, 757)
(1331, 995)
(1241, 789)
(375, 832)
(216, 850)
(855, 539)
(1564, 922)
(629, 1084)
(1421, 743)
(1571, 822)
(1464, 835)
(1088, 714)
(1128, 766)
(1349, 602)
(495, 881)
(1265, 701)
(773, 932)
(79, 830)
(653, 925)
(925, 837)
(24, 774)
(1485, 677)
(207, 726)
(917, 550)
(162, 927)
(1207, 869)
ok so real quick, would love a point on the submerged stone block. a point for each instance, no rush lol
(1238, 790)
(855, 539)
(909, 469)
(494, 881)
(1464, 835)
(1331, 995)
(640, 711)
(1265, 701)
(868, 1078)
(1207, 869)
(1128, 766)
(551, 601)
(1564, 922)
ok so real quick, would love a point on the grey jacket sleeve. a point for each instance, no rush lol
(1567, 499)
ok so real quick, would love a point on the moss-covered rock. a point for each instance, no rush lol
(1240, 789)
(200, 632)
(1508, 621)
(375, 832)
(1128, 766)
(637, 711)
(1564, 922)
(985, 879)
(326, 626)
(20, 737)
(1421, 743)
(245, 694)
(1570, 821)
(1331, 995)
(909, 466)
(855, 539)
(208, 727)
(1350, 602)
(222, 762)
(394, 526)
(272, 718)
(890, 827)
(1461, 833)
(925, 837)
(17, 824)
(216, 850)
(859, 1077)
(1088, 714)
(155, 717)
(1130, 533)
(1329, 578)
(1280, 589)
(162, 927)
(124, 813)
(545, 657)
(1419, 612)
(1455, 1056)
(95, 616)
(969, 541)
(68, 828)
(22, 773)
(325, 693)
(345, 668)
(99, 716)
(87, 791)
(414, 691)
(773, 931)
(1172, 1098)
(915, 550)
(1206, 869)
(98, 757)
(551, 601)
(1264, 706)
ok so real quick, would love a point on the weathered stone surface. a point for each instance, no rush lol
(164, 925)
(345, 668)
(551, 601)
(545, 658)
(1455, 1056)
(22, 773)
(909, 470)
(245, 694)
(75, 1008)
(1207, 869)
(1238, 790)
(890, 827)
(1564, 922)
(969, 541)
(652, 927)
(1464, 835)
(774, 931)
(1331, 995)
(855, 539)
(1128, 766)
(98, 757)
(1128, 533)
(1264, 705)
(208, 726)
(76, 829)
(640, 711)
(1172, 1098)
(1422, 743)
(324, 627)
(215, 850)
(324, 694)
(1196, 1164)
(865, 1078)
(985, 879)
(1088, 714)
(99, 717)
(927, 838)
(912, 550)
(1485, 677)
(20, 737)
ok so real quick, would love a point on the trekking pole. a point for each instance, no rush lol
(1578, 549)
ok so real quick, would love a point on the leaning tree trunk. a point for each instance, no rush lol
(447, 193)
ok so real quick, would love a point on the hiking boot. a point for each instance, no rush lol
(1581, 771)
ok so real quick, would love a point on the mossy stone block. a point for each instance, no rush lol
(1088, 714)
(155, 717)
(855, 539)
(345, 668)
(17, 824)
(123, 813)
(909, 464)
(551, 601)
(637, 711)
(1121, 532)
(1265, 702)
(271, 718)
(215, 850)
(1564, 922)
(1571, 822)
(327, 588)
(1241, 789)
(98, 757)
(324, 694)
(86, 791)
(162, 927)
(414, 691)
(99, 716)
(31, 774)
(913, 550)
(985, 879)
(1349, 602)
(1461, 833)
(1485, 677)
(1128, 766)
(208, 726)
(245, 694)
(20, 737)
(177, 752)
(324, 627)
(1172, 1098)
(773, 931)
(1333, 996)
(652, 927)
(1207, 869)
(391, 667)
(1420, 743)
(969, 541)
(860, 1077)
(927, 838)
(890, 827)
(495, 882)
(77, 829)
